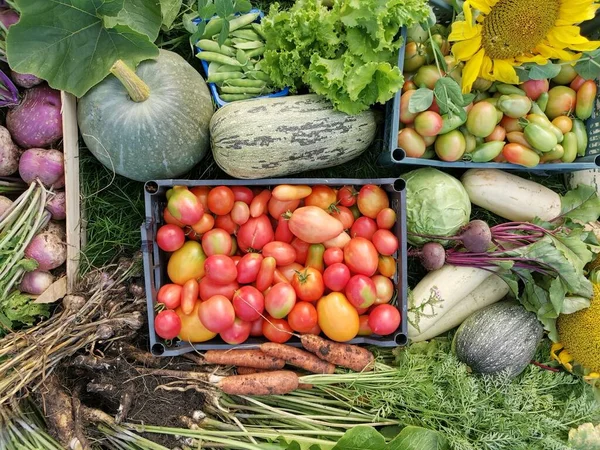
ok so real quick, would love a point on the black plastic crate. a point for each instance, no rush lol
(155, 262)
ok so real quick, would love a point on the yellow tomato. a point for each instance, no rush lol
(186, 263)
(338, 319)
(192, 329)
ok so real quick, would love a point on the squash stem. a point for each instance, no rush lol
(136, 88)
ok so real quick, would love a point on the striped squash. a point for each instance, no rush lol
(273, 137)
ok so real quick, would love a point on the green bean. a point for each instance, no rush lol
(256, 52)
(249, 45)
(224, 76)
(246, 34)
(241, 21)
(234, 97)
(212, 46)
(242, 90)
(228, 68)
(217, 57)
(259, 30)
(214, 67)
(245, 83)
(258, 75)
(213, 26)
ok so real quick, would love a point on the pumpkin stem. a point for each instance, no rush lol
(136, 88)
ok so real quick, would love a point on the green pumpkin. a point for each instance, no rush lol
(161, 135)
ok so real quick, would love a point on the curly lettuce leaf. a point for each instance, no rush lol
(585, 437)
(19, 309)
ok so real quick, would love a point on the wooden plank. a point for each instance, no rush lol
(71, 152)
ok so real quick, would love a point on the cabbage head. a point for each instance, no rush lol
(436, 204)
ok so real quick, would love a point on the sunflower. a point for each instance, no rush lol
(497, 35)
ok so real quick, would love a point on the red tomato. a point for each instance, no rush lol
(308, 284)
(205, 224)
(361, 291)
(220, 269)
(189, 296)
(248, 303)
(258, 206)
(208, 288)
(289, 270)
(333, 255)
(216, 314)
(303, 317)
(386, 266)
(386, 218)
(276, 330)
(384, 319)
(240, 213)
(236, 333)
(361, 311)
(167, 324)
(316, 330)
(314, 225)
(385, 242)
(282, 232)
(201, 193)
(278, 207)
(361, 257)
(216, 242)
(170, 238)
(280, 300)
(314, 258)
(301, 248)
(339, 241)
(384, 287)
(372, 199)
(283, 252)
(363, 326)
(256, 327)
(184, 205)
(236, 258)
(363, 227)
(248, 268)
(242, 194)
(170, 219)
(278, 277)
(321, 196)
(225, 222)
(220, 200)
(347, 196)
(336, 277)
(288, 192)
(264, 279)
(255, 233)
(169, 295)
(344, 215)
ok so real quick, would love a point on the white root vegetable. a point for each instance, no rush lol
(57, 206)
(440, 291)
(490, 291)
(48, 250)
(5, 203)
(510, 196)
(36, 282)
(45, 165)
(9, 154)
(57, 228)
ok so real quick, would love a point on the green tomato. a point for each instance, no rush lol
(450, 146)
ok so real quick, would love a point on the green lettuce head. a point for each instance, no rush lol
(436, 204)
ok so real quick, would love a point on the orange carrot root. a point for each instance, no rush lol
(249, 370)
(297, 357)
(266, 383)
(345, 355)
(244, 358)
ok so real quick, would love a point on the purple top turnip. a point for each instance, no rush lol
(25, 80)
(46, 165)
(48, 250)
(57, 206)
(9, 154)
(36, 282)
(37, 120)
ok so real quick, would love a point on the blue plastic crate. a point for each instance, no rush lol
(213, 87)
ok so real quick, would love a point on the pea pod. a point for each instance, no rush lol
(586, 97)
(514, 105)
(569, 144)
(228, 68)
(236, 97)
(241, 57)
(540, 137)
(545, 122)
(245, 83)
(243, 90)
(486, 152)
(213, 26)
(257, 27)
(509, 89)
(258, 75)
(556, 153)
(214, 67)
(250, 45)
(220, 77)
(256, 52)
(212, 46)
(582, 137)
(450, 123)
(247, 34)
(242, 21)
(217, 57)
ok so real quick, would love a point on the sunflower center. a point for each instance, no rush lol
(515, 27)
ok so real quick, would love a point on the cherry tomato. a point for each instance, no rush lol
(303, 317)
(256, 327)
(308, 284)
(384, 287)
(347, 196)
(276, 330)
(186, 263)
(216, 313)
(386, 266)
(301, 248)
(207, 288)
(337, 317)
(333, 255)
(242, 194)
(170, 238)
(201, 193)
(258, 206)
(363, 326)
(321, 196)
(336, 277)
(248, 268)
(364, 227)
(205, 224)
(283, 252)
(361, 291)
(282, 232)
(278, 207)
(220, 269)
(386, 218)
(264, 279)
(189, 296)
(225, 222)
(384, 319)
(240, 213)
(236, 333)
(169, 295)
(170, 219)
(248, 303)
(280, 300)
(361, 257)
(192, 329)
(290, 270)
(344, 215)
(167, 324)
(385, 242)
(287, 192)
(372, 199)
(255, 233)
(220, 200)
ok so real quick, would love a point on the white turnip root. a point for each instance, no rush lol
(25, 80)
(57, 206)
(9, 154)
(46, 165)
(36, 282)
(57, 228)
(48, 250)
(37, 120)
(5, 203)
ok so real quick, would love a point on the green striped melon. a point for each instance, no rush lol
(274, 137)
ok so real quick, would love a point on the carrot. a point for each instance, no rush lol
(248, 370)
(345, 355)
(267, 383)
(297, 357)
(245, 358)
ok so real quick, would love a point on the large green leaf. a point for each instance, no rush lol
(143, 16)
(170, 10)
(361, 438)
(67, 43)
(418, 438)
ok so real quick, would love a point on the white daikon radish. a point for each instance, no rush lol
(510, 196)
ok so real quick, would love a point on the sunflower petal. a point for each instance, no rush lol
(504, 71)
(576, 12)
(481, 5)
(565, 36)
(538, 59)
(462, 31)
(550, 52)
(468, 13)
(464, 50)
(471, 71)
(486, 68)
